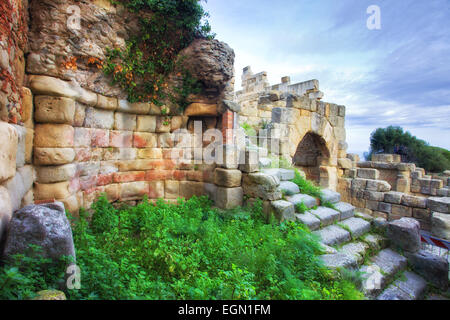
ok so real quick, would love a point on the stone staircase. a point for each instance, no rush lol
(352, 241)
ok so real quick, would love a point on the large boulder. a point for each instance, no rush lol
(44, 225)
(211, 62)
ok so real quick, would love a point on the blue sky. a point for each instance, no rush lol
(399, 75)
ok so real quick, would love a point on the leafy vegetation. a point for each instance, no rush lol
(306, 186)
(143, 67)
(249, 130)
(186, 251)
(396, 141)
(301, 207)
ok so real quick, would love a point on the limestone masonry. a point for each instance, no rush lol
(67, 134)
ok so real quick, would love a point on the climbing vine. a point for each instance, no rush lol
(142, 69)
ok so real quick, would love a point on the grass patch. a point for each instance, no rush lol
(301, 207)
(187, 251)
(306, 186)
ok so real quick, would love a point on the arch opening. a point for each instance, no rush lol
(311, 154)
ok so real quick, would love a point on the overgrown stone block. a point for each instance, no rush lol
(405, 234)
(229, 198)
(229, 178)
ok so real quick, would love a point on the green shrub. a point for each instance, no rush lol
(394, 140)
(191, 251)
(25, 274)
(142, 69)
(301, 207)
(306, 186)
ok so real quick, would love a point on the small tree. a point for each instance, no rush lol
(396, 141)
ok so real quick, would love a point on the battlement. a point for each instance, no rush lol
(258, 83)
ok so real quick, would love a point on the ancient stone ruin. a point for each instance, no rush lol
(68, 135)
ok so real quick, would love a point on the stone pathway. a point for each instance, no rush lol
(350, 241)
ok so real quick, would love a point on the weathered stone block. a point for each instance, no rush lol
(21, 145)
(405, 234)
(29, 142)
(260, 185)
(53, 174)
(384, 207)
(374, 195)
(133, 190)
(430, 266)
(229, 178)
(54, 110)
(165, 140)
(156, 190)
(145, 140)
(53, 156)
(229, 198)
(378, 185)
(60, 190)
(365, 173)
(423, 214)
(188, 189)
(124, 121)
(162, 124)
(99, 138)
(359, 184)
(8, 151)
(440, 225)
(413, 201)
(393, 197)
(107, 103)
(121, 139)
(250, 161)
(100, 119)
(150, 153)
(439, 204)
(402, 211)
(227, 157)
(54, 136)
(6, 210)
(146, 123)
(171, 189)
(345, 163)
(284, 210)
(44, 85)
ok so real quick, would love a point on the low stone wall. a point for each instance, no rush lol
(384, 188)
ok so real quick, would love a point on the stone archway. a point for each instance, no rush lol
(311, 154)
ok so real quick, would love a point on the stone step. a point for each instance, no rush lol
(356, 226)
(339, 260)
(356, 250)
(309, 220)
(364, 216)
(309, 201)
(375, 241)
(264, 162)
(409, 286)
(346, 210)
(282, 174)
(382, 269)
(327, 216)
(333, 235)
(331, 196)
(289, 188)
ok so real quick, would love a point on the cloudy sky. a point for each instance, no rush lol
(399, 75)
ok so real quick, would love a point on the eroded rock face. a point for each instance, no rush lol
(55, 40)
(211, 62)
(43, 225)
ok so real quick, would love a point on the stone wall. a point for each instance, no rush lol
(70, 135)
(297, 124)
(16, 123)
(390, 189)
